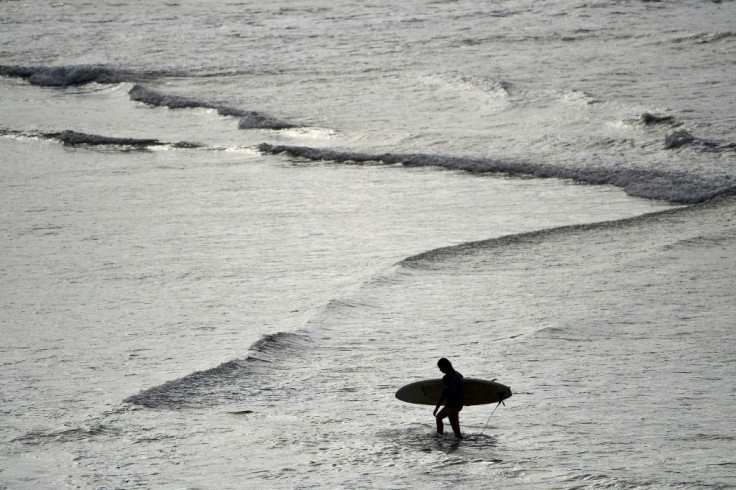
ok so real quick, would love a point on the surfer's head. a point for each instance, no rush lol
(445, 365)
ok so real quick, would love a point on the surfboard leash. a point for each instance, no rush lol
(489, 417)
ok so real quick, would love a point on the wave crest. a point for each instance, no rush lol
(649, 119)
(706, 37)
(679, 188)
(70, 75)
(682, 138)
(248, 119)
(230, 381)
(76, 138)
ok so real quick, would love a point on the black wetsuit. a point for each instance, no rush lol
(452, 390)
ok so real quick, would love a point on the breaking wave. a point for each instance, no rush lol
(682, 138)
(672, 187)
(230, 381)
(649, 119)
(472, 82)
(84, 432)
(76, 138)
(706, 37)
(248, 119)
(71, 75)
(431, 259)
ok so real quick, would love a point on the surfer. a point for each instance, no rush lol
(452, 398)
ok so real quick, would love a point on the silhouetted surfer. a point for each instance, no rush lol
(452, 398)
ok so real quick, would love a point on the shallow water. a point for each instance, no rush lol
(193, 298)
(154, 265)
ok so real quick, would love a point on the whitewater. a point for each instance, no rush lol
(230, 232)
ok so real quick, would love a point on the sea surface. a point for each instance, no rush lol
(230, 231)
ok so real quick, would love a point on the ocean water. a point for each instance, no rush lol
(231, 231)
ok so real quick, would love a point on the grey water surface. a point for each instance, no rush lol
(230, 231)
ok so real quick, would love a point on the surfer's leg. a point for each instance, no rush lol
(453, 414)
(441, 415)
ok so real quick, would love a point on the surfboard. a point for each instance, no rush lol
(475, 392)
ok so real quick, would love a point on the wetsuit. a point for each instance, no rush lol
(452, 390)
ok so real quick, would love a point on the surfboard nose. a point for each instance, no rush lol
(506, 393)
